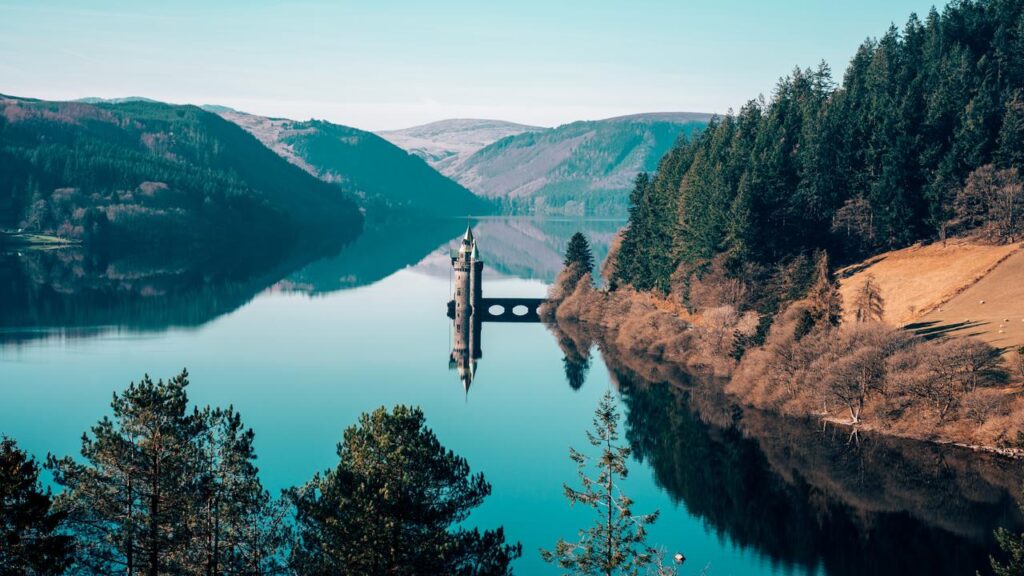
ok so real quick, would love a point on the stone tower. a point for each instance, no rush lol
(466, 297)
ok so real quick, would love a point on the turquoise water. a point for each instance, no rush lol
(301, 363)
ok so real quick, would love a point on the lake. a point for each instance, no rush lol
(302, 344)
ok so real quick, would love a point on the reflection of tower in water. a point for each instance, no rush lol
(467, 310)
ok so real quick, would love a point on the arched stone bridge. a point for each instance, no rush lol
(505, 309)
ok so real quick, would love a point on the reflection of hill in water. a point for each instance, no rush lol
(520, 247)
(78, 293)
(528, 247)
(805, 497)
(381, 250)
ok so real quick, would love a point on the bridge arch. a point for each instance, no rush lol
(511, 309)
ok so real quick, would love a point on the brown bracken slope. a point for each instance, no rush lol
(961, 288)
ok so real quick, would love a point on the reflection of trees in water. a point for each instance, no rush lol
(576, 371)
(383, 248)
(535, 247)
(805, 497)
(576, 348)
(79, 292)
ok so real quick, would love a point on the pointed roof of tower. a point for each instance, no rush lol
(468, 242)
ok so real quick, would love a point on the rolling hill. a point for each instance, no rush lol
(962, 287)
(447, 143)
(585, 167)
(376, 171)
(143, 173)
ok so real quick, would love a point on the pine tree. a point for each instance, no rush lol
(576, 369)
(874, 163)
(31, 542)
(235, 524)
(579, 259)
(633, 261)
(617, 543)
(128, 501)
(394, 505)
(162, 490)
(1012, 546)
(1011, 134)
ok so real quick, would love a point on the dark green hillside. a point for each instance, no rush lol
(876, 163)
(381, 175)
(381, 172)
(78, 292)
(582, 167)
(147, 173)
(380, 251)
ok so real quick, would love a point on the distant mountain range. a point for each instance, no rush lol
(138, 169)
(585, 167)
(447, 143)
(379, 173)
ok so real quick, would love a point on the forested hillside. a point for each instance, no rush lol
(139, 172)
(579, 168)
(923, 137)
(378, 173)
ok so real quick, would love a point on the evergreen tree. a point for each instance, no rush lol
(872, 163)
(1011, 135)
(579, 259)
(633, 260)
(617, 543)
(1012, 546)
(576, 369)
(235, 524)
(394, 505)
(31, 542)
(127, 504)
(162, 490)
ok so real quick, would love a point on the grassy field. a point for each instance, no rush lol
(991, 309)
(962, 287)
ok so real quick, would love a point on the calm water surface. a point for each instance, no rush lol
(302, 348)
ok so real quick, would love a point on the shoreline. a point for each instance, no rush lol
(34, 241)
(648, 335)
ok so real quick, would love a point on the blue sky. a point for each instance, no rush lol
(378, 64)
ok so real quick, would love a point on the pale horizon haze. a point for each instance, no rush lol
(392, 64)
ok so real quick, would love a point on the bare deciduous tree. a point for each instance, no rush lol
(1020, 362)
(855, 222)
(854, 376)
(952, 369)
(991, 201)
